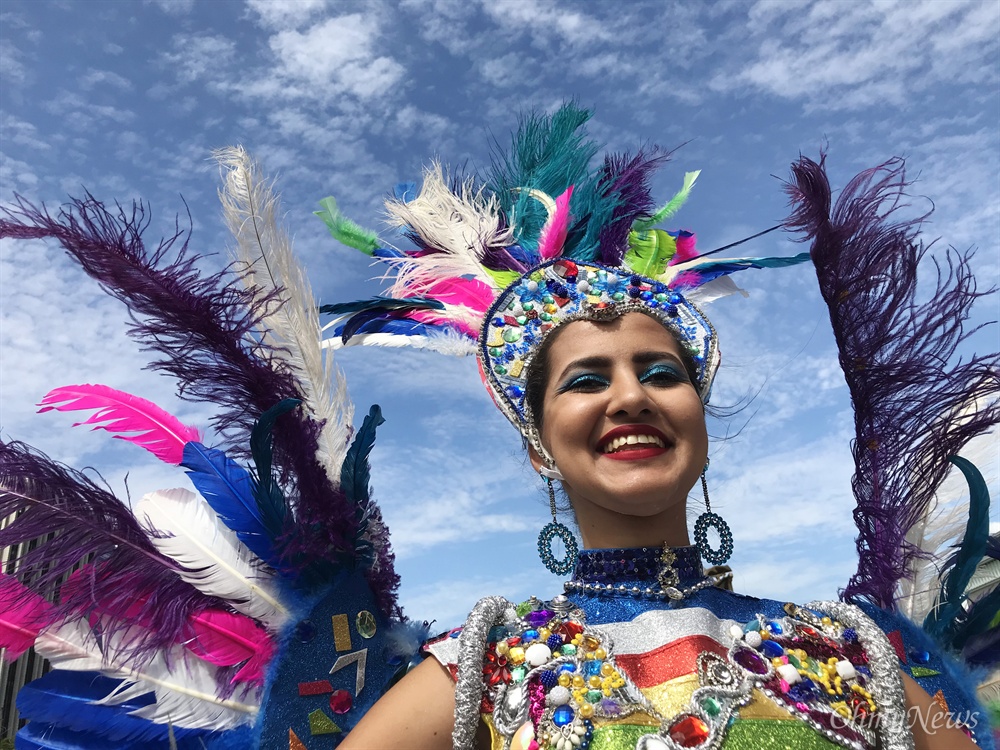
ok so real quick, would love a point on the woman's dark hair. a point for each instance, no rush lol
(538, 374)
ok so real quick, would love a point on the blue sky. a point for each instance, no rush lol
(128, 99)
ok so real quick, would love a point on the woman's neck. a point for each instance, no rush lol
(602, 528)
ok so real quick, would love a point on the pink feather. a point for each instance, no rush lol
(470, 293)
(23, 615)
(685, 248)
(160, 433)
(225, 639)
(553, 235)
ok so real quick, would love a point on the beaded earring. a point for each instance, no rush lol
(708, 520)
(552, 530)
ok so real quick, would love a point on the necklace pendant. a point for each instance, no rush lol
(668, 577)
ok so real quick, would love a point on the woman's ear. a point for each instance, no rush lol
(536, 460)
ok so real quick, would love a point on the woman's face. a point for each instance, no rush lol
(622, 420)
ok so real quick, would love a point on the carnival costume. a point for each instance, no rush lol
(239, 636)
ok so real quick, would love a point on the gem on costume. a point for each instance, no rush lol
(537, 654)
(920, 657)
(365, 624)
(562, 715)
(361, 658)
(294, 743)
(318, 687)
(690, 731)
(750, 661)
(923, 672)
(549, 532)
(320, 723)
(558, 696)
(341, 702)
(896, 639)
(941, 700)
(341, 633)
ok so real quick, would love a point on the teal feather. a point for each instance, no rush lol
(941, 621)
(270, 499)
(356, 472)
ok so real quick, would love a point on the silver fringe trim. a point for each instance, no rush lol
(886, 683)
(488, 612)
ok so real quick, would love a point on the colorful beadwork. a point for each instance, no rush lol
(705, 522)
(548, 533)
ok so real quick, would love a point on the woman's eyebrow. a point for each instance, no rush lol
(646, 358)
(595, 361)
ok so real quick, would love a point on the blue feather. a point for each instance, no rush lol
(388, 252)
(382, 303)
(270, 499)
(398, 326)
(39, 735)
(62, 698)
(355, 471)
(944, 621)
(229, 489)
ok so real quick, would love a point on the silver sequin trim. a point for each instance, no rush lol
(488, 612)
(885, 684)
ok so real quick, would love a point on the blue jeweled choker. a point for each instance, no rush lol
(654, 572)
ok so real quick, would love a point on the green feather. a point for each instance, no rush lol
(345, 230)
(670, 207)
(649, 252)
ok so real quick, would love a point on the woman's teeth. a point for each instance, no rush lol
(620, 442)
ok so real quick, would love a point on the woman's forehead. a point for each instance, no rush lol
(620, 337)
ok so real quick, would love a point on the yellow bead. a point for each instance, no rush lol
(827, 621)
(577, 639)
(578, 680)
(564, 679)
(595, 681)
(543, 634)
(516, 655)
(502, 648)
(590, 643)
(586, 710)
(764, 635)
(600, 653)
(607, 669)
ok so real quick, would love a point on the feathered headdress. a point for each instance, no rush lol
(202, 617)
(545, 239)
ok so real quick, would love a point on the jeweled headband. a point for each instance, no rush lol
(498, 263)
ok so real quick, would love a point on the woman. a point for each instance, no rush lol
(583, 316)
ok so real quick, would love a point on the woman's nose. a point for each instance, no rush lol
(627, 395)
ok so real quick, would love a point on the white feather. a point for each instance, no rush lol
(454, 345)
(250, 208)
(461, 226)
(215, 561)
(186, 694)
(717, 288)
(943, 526)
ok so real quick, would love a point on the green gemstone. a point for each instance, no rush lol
(593, 696)
(517, 674)
(548, 299)
(528, 305)
(510, 335)
(496, 351)
(365, 623)
(712, 706)
(546, 317)
(923, 672)
(568, 649)
(320, 723)
(618, 296)
(793, 660)
(521, 320)
(500, 370)
(660, 297)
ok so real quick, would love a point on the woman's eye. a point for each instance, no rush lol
(663, 375)
(586, 382)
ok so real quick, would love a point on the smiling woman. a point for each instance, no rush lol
(248, 614)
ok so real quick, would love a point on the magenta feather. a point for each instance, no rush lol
(23, 614)
(157, 431)
(225, 640)
(63, 519)
(897, 356)
(553, 236)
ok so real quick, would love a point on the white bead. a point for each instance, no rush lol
(580, 729)
(654, 743)
(753, 639)
(582, 286)
(532, 286)
(612, 278)
(558, 696)
(736, 631)
(789, 674)
(846, 670)
(575, 739)
(537, 654)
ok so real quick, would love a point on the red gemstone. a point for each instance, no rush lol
(514, 641)
(341, 702)
(689, 732)
(570, 630)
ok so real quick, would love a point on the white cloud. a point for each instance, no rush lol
(285, 14)
(336, 55)
(174, 7)
(93, 78)
(12, 70)
(198, 56)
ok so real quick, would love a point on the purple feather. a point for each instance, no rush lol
(65, 521)
(627, 179)
(205, 330)
(896, 355)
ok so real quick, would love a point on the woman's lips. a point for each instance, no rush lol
(636, 452)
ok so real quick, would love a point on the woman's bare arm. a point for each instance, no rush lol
(931, 729)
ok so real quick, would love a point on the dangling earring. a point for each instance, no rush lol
(552, 530)
(708, 520)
